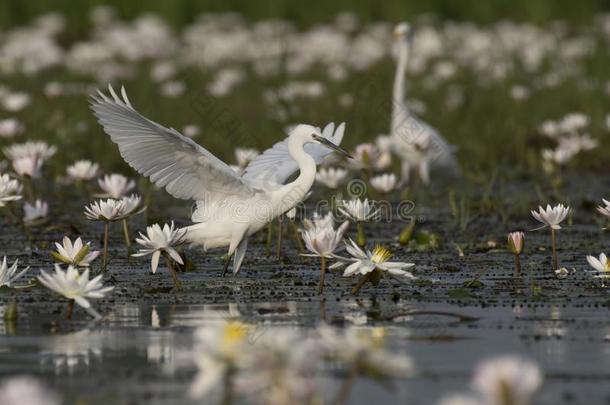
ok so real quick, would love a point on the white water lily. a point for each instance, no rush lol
(604, 209)
(38, 149)
(384, 183)
(507, 380)
(24, 390)
(108, 210)
(76, 254)
(28, 166)
(364, 262)
(331, 177)
(602, 265)
(75, 286)
(160, 240)
(365, 156)
(83, 170)
(320, 237)
(35, 212)
(363, 350)
(10, 190)
(9, 274)
(358, 210)
(10, 127)
(115, 186)
(131, 205)
(217, 351)
(244, 156)
(551, 216)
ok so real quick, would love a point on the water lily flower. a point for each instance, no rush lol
(8, 274)
(384, 183)
(106, 211)
(507, 380)
(76, 254)
(331, 177)
(115, 186)
(39, 149)
(217, 353)
(244, 156)
(26, 391)
(604, 209)
(371, 265)
(602, 265)
(28, 166)
(75, 287)
(515, 246)
(35, 213)
(322, 239)
(10, 128)
(359, 211)
(365, 156)
(159, 241)
(83, 170)
(363, 352)
(10, 190)
(552, 217)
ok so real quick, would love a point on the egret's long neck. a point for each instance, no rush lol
(399, 108)
(293, 193)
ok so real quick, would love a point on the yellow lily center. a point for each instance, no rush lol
(380, 254)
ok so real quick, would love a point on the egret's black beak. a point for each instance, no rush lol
(331, 145)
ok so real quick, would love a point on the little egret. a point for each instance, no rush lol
(416, 143)
(229, 207)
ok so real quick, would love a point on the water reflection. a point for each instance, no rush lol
(157, 340)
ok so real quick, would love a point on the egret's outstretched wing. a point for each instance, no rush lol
(275, 165)
(168, 158)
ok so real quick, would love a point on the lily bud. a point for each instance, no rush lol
(516, 242)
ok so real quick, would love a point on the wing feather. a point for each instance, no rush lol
(168, 158)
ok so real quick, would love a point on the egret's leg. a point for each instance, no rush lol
(269, 236)
(424, 172)
(280, 227)
(226, 266)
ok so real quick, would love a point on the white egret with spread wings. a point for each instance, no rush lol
(229, 207)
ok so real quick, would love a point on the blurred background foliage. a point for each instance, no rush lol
(306, 13)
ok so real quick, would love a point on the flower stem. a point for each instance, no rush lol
(361, 283)
(227, 393)
(269, 236)
(343, 394)
(322, 274)
(70, 309)
(105, 255)
(361, 237)
(29, 190)
(126, 235)
(517, 265)
(554, 247)
(407, 233)
(172, 270)
(297, 236)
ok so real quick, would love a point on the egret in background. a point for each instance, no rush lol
(229, 207)
(416, 143)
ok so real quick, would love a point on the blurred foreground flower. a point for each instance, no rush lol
(76, 253)
(552, 217)
(331, 177)
(158, 241)
(26, 391)
(322, 239)
(75, 287)
(8, 274)
(384, 183)
(371, 265)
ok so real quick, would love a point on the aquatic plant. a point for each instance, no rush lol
(322, 239)
(604, 210)
(162, 242)
(76, 254)
(331, 177)
(384, 183)
(372, 266)
(515, 246)
(77, 288)
(115, 186)
(601, 265)
(83, 170)
(552, 217)
(8, 274)
(36, 213)
(358, 211)
(10, 190)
